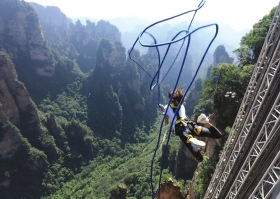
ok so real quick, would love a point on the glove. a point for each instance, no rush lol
(161, 107)
(202, 119)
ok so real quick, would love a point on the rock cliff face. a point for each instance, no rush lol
(22, 37)
(75, 41)
(86, 40)
(55, 24)
(221, 56)
(170, 190)
(14, 102)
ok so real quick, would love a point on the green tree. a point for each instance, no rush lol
(251, 44)
(225, 77)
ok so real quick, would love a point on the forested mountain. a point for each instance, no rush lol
(58, 128)
(77, 117)
(130, 27)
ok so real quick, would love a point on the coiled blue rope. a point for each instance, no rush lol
(156, 77)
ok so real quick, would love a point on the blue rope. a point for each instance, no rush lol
(155, 78)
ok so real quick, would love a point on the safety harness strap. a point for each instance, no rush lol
(179, 119)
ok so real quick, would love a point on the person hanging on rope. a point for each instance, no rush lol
(187, 129)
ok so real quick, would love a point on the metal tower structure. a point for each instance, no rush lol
(249, 166)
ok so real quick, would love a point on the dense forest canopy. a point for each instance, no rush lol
(90, 123)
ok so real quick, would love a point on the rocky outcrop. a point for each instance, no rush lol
(86, 40)
(170, 190)
(54, 23)
(9, 111)
(221, 56)
(22, 37)
(120, 192)
(75, 41)
(108, 31)
(10, 141)
(14, 101)
(18, 117)
(113, 56)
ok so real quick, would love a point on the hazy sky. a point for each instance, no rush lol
(239, 14)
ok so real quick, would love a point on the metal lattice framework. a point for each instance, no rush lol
(257, 120)
(268, 181)
(267, 133)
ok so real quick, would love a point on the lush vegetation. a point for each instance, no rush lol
(129, 166)
(224, 78)
(251, 44)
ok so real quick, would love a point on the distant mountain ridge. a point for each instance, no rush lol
(130, 27)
